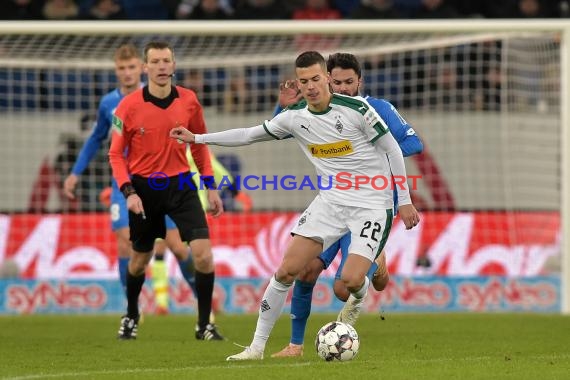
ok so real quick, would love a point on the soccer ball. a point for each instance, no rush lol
(337, 341)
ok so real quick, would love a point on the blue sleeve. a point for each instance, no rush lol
(277, 110)
(411, 145)
(94, 142)
(400, 129)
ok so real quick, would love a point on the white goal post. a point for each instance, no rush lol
(523, 47)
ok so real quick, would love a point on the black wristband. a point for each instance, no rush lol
(127, 189)
(209, 182)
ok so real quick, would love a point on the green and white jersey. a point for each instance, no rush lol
(340, 144)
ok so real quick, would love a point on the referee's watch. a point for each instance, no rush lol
(127, 189)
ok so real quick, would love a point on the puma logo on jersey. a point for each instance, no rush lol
(307, 128)
(362, 108)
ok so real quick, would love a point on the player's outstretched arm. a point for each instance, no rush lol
(231, 137)
(182, 134)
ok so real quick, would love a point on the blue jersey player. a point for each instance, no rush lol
(128, 70)
(346, 78)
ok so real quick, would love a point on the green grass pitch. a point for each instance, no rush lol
(403, 346)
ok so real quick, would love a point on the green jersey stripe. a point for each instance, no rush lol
(269, 133)
(349, 102)
(387, 228)
(380, 130)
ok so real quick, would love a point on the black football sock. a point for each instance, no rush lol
(134, 286)
(204, 290)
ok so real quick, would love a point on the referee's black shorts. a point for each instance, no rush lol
(161, 197)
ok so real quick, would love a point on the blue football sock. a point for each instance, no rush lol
(123, 267)
(187, 270)
(372, 270)
(300, 310)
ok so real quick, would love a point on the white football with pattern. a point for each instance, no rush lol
(337, 341)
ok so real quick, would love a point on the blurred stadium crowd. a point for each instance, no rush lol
(279, 9)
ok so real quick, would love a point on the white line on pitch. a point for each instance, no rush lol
(145, 370)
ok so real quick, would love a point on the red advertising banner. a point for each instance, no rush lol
(82, 246)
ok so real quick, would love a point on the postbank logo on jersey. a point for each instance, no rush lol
(336, 149)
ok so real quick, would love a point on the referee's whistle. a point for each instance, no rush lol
(143, 215)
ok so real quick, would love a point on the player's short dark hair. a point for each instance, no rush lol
(310, 58)
(158, 45)
(126, 51)
(345, 61)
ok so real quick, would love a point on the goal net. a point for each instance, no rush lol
(485, 101)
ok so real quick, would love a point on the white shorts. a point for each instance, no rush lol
(327, 222)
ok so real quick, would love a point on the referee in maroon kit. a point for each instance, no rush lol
(154, 178)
